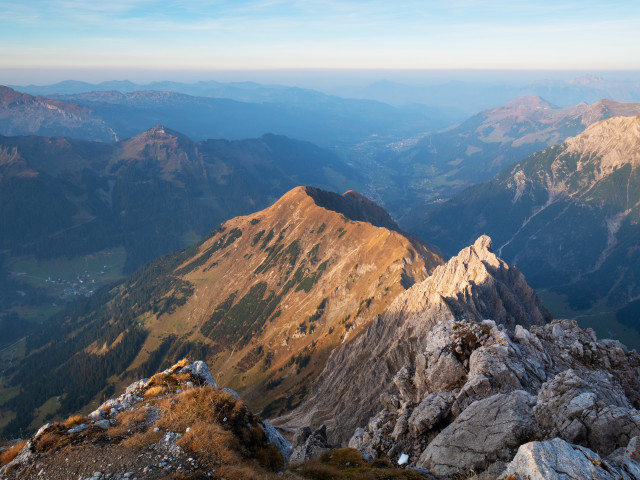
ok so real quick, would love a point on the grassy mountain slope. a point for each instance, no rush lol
(264, 298)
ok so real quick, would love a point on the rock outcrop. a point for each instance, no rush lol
(483, 434)
(558, 460)
(390, 355)
(463, 369)
(504, 390)
(309, 446)
(159, 427)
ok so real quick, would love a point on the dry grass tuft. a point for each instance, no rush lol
(182, 363)
(127, 421)
(221, 428)
(348, 463)
(141, 440)
(12, 452)
(161, 379)
(206, 404)
(53, 439)
(212, 441)
(239, 472)
(342, 456)
(74, 421)
(156, 391)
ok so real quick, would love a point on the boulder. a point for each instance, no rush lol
(587, 408)
(558, 460)
(487, 431)
(200, 369)
(313, 447)
(431, 410)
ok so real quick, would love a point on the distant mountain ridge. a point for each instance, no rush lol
(24, 114)
(444, 163)
(567, 216)
(149, 195)
(303, 114)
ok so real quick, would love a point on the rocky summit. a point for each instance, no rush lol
(462, 375)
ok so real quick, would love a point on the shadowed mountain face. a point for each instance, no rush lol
(24, 114)
(567, 216)
(264, 298)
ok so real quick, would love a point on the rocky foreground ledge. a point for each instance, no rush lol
(176, 424)
(478, 395)
(179, 425)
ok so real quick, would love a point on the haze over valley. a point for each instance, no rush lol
(305, 240)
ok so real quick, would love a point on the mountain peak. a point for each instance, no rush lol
(160, 132)
(483, 243)
(159, 143)
(479, 273)
(532, 101)
(352, 205)
(9, 95)
(615, 141)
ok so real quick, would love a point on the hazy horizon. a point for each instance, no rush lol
(320, 79)
(287, 35)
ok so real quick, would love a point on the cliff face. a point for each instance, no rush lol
(462, 371)
(567, 216)
(474, 285)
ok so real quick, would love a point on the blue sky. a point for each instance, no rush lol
(277, 34)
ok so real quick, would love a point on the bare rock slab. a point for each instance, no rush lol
(487, 431)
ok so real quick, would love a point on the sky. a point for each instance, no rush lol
(165, 35)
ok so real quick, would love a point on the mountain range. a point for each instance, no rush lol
(134, 200)
(112, 115)
(443, 163)
(465, 97)
(449, 368)
(567, 216)
(457, 99)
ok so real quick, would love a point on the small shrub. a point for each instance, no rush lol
(74, 421)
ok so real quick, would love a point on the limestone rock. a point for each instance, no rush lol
(200, 369)
(431, 410)
(558, 460)
(313, 447)
(137, 386)
(589, 408)
(483, 433)
(627, 460)
(584, 391)
(276, 439)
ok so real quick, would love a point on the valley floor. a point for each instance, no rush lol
(600, 318)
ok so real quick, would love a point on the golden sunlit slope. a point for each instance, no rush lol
(272, 293)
